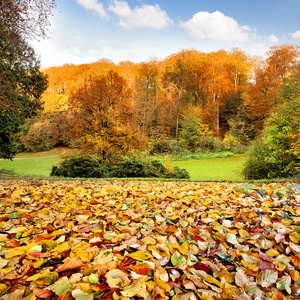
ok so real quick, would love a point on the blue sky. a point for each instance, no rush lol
(84, 31)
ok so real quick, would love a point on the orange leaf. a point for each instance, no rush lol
(70, 264)
(296, 260)
(142, 269)
(42, 237)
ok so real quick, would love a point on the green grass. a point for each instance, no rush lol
(32, 163)
(218, 169)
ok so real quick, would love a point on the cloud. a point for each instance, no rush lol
(273, 39)
(217, 27)
(145, 16)
(296, 35)
(94, 6)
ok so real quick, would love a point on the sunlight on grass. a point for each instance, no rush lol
(33, 163)
(219, 169)
(41, 166)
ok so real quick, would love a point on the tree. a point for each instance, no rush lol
(192, 129)
(277, 153)
(103, 118)
(21, 81)
(147, 86)
(30, 18)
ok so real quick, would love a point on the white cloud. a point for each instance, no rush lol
(296, 35)
(94, 6)
(217, 27)
(273, 39)
(145, 16)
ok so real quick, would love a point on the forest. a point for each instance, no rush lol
(190, 101)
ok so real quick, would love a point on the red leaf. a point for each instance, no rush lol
(201, 266)
(198, 238)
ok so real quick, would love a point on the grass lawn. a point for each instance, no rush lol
(218, 169)
(33, 163)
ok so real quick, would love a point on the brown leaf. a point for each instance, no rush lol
(41, 293)
(18, 273)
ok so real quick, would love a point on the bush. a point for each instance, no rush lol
(209, 143)
(132, 166)
(84, 167)
(257, 166)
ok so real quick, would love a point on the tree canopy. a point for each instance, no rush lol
(21, 80)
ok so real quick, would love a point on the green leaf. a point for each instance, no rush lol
(61, 285)
(177, 259)
(284, 283)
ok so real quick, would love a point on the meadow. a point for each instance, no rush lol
(218, 169)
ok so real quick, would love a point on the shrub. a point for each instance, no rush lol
(257, 166)
(159, 146)
(210, 143)
(82, 166)
(230, 142)
(131, 166)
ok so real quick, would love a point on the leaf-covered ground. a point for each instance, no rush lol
(149, 240)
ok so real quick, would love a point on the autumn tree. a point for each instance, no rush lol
(147, 89)
(180, 77)
(280, 64)
(21, 80)
(276, 154)
(269, 76)
(103, 118)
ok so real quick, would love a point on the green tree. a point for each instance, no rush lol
(276, 153)
(21, 81)
(191, 130)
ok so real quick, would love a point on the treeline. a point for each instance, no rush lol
(190, 100)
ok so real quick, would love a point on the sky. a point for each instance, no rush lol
(85, 31)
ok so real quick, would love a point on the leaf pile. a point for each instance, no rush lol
(148, 240)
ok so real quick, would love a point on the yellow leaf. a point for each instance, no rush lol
(279, 266)
(60, 248)
(30, 297)
(205, 297)
(3, 288)
(149, 241)
(183, 248)
(137, 288)
(294, 237)
(272, 252)
(151, 285)
(38, 263)
(244, 233)
(6, 270)
(250, 266)
(57, 232)
(213, 280)
(140, 256)
(163, 285)
(18, 251)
